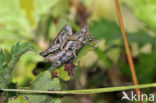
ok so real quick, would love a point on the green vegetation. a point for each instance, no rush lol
(28, 27)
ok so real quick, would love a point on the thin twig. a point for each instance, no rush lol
(85, 91)
(129, 57)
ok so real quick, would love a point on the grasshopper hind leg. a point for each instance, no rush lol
(50, 50)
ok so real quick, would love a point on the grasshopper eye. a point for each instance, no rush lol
(68, 30)
(67, 27)
(84, 30)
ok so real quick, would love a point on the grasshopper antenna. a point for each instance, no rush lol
(68, 20)
(89, 22)
(87, 25)
(92, 38)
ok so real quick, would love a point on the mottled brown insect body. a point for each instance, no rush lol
(66, 48)
(62, 36)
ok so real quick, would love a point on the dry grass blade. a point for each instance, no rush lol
(129, 57)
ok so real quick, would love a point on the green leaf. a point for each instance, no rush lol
(15, 26)
(44, 82)
(13, 18)
(42, 6)
(28, 7)
(3, 80)
(19, 99)
(6, 70)
(83, 52)
(102, 56)
(63, 74)
(105, 29)
(145, 68)
(3, 68)
(58, 7)
(142, 9)
(2, 59)
(19, 49)
(109, 30)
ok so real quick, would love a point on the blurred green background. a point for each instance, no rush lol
(39, 21)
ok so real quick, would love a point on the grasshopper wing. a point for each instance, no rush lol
(65, 32)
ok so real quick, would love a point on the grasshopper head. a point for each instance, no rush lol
(85, 31)
(68, 30)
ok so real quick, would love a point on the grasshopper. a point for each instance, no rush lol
(54, 58)
(58, 42)
(77, 40)
(60, 57)
(72, 45)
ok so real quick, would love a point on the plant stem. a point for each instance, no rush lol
(85, 91)
(129, 57)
